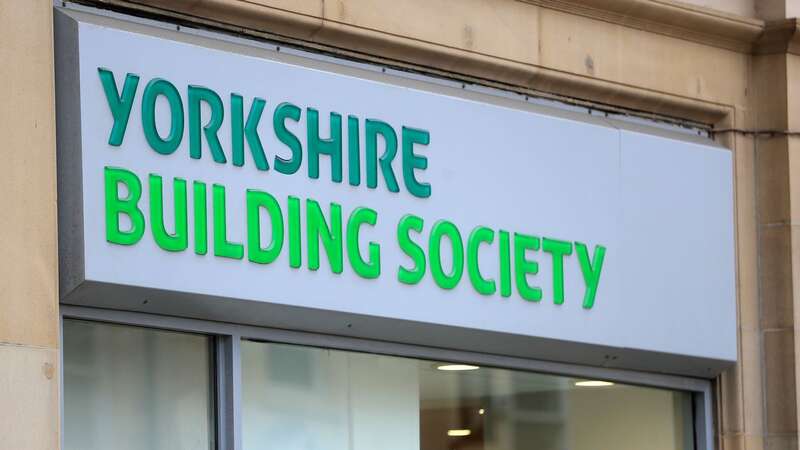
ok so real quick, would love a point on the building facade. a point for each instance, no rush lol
(706, 73)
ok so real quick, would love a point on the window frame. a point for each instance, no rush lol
(228, 365)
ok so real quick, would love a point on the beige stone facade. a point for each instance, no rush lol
(29, 320)
(733, 65)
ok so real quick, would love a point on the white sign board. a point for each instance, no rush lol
(237, 174)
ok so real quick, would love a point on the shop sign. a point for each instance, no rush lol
(228, 172)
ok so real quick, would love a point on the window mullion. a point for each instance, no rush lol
(228, 393)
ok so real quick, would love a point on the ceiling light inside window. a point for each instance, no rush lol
(455, 433)
(456, 367)
(593, 383)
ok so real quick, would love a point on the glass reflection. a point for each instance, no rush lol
(309, 398)
(132, 388)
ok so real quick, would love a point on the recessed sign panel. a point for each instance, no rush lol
(231, 173)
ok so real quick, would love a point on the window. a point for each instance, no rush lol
(305, 398)
(138, 387)
(131, 388)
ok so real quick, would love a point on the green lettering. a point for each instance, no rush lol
(372, 267)
(331, 237)
(153, 89)
(478, 236)
(241, 131)
(505, 263)
(353, 152)
(374, 128)
(200, 218)
(524, 266)
(412, 161)
(198, 94)
(223, 247)
(557, 249)
(411, 249)
(441, 229)
(282, 112)
(295, 255)
(128, 206)
(120, 105)
(179, 241)
(331, 146)
(591, 270)
(255, 252)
